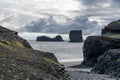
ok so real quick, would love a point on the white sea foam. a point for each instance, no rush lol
(71, 60)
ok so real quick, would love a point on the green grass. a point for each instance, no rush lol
(51, 61)
(118, 60)
(5, 44)
(116, 35)
(19, 44)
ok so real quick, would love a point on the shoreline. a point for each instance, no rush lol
(83, 73)
(70, 66)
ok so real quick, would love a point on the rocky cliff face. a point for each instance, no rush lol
(104, 51)
(109, 63)
(76, 36)
(112, 29)
(18, 61)
(95, 46)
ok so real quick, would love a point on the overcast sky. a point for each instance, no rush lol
(38, 17)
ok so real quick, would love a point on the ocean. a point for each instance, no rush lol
(64, 51)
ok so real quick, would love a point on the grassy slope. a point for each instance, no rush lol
(17, 62)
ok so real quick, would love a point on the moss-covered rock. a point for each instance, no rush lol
(18, 61)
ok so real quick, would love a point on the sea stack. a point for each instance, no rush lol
(45, 38)
(76, 36)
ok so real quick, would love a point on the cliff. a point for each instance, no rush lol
(95, 46)
(18, 61)
(103, 52)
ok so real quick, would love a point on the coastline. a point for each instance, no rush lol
(83, 73)
(73, 66)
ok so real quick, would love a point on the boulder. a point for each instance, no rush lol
(95, 46)
(76, 36)
(112, 29)
(18, 61)
(45, 38)
(108, 63)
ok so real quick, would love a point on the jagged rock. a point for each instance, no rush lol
(45, 38)
(76, 36)
(95, 46)
(18, 61)
(109, 63)
(112, 29)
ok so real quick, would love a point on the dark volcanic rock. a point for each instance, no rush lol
(95, 46)
(18, 61)
(45, 38)
(58, 38)
(109, 63)
(76, 36)
(112, 29)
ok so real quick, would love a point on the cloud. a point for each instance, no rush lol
(117, 1)
(102, 11)
(58, 16)
(18, 13)
(50, 25)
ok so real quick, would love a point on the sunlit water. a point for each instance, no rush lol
(64, 51)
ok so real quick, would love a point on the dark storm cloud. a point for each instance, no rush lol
(89, 13)
(51, 26)
(93, 2)
(102, 11)
(118, 1)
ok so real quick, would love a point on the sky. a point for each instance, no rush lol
(32, 18)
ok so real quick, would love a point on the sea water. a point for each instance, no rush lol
(64, 51)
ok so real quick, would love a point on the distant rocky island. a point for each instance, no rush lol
(45, 38)
(76, 36)
(103, 52)
(18, 61)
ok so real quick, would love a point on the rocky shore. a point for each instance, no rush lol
(18, 61)
(84, 73)
(79, 75)
(103, 52)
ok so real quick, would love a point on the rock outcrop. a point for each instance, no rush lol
(76, 36)
(112, 29)
(18, 61)
(95, 46)
(45, 38)
(109, 63)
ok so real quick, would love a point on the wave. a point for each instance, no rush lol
(71, 60)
